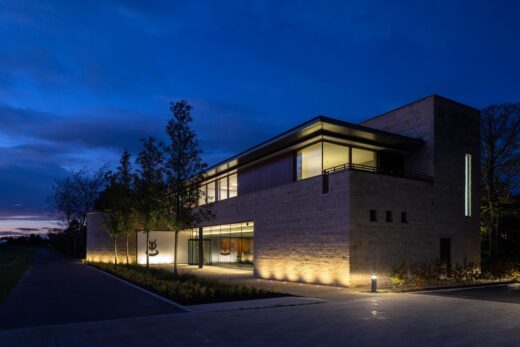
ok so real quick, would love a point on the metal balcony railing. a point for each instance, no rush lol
(374, 169)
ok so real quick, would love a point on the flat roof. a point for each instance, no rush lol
(320, 127)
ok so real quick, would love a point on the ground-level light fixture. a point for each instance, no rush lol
(373, 283)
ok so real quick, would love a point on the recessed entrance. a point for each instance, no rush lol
(228, 245)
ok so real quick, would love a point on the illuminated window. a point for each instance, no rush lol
(363, 157)
(334, 155)
(233, 185)
(309, 161)
(223, 188)
(202, 195)
(211, 192)
(467, 185)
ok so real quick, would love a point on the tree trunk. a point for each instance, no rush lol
(147, 247)
(115, 250)
(127, 261)
(175, 252)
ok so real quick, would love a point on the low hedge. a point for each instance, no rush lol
(185, 289)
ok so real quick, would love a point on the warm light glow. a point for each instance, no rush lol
(467, 185)
(312, 270)
(374, 277)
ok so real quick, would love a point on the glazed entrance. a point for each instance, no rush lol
(228, 245)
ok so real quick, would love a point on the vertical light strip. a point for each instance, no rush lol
(467, 185)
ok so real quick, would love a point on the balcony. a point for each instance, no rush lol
(376, 170)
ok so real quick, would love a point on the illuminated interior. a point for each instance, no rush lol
(220, 188)
(224, 245)
(311, 161)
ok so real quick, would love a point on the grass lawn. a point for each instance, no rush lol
(13, 263)
(185, 289)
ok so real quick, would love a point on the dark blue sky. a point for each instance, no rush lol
(79, 81)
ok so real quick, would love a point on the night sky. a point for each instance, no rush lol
(80, 81)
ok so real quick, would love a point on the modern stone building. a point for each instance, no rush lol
(333, 202)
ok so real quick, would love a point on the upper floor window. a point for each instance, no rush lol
(363, 157)
(309, 161)
(211, 192)
(334, 155)
(467, 185)
(314, 159)
(233, 185)
(219, 189)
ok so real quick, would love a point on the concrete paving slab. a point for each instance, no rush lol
(256, 304)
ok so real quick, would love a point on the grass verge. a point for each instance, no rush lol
(185, 289)
(13, 263)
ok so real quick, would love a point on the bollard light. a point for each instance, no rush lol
(373, 283)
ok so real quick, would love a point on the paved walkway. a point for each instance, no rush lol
(56, 290)
(381, 320)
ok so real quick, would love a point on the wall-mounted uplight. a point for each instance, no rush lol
(373, 283)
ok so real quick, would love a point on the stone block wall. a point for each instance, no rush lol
(100, 246)
(377, 246)
(300, 234)
(450, 130)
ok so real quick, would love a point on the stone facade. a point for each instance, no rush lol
(303, 234)
(100, 246)
(300, 234)
(450, 131)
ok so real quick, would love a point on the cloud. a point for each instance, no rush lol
(10, 233)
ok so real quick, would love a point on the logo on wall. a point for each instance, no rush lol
(152, 248)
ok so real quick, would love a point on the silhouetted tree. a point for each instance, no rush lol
(118, 201)
(149, 188)
(72, 198)
(184, 172)
(500, 166)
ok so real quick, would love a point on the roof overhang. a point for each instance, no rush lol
(320, 128)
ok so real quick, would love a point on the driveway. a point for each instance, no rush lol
(57, 290)
(385, 320)
(500, 293)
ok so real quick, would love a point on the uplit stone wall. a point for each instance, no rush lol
(450, 130)
(303, 235)
(300, 234)
(100, 246)
(377, 246)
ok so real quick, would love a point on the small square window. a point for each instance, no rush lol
(404, 217)
(373, 216)
(389, 216)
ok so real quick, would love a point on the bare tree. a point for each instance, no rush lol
(500, 166)
(73, 197)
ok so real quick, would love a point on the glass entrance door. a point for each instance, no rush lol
(193, 251)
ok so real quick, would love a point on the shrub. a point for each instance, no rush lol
(184, 288)
(397, 275)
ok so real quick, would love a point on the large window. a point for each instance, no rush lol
(334, 155)
(309, 161)
(219, 189)
(211, 197)
(202, 195)
(225, 245)
(363, 157)
(223, 188)
(313, 160)
(233, 185)
(467, 185)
